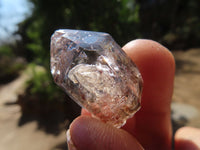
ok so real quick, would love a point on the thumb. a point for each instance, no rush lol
(88, 133)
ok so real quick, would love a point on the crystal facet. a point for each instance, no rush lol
(97, 74)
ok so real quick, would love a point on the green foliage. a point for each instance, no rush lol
(10, 65)
(177, 19)
(6, 50)
(119, 18)
(41, 84)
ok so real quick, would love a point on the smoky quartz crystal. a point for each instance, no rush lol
(97, 74)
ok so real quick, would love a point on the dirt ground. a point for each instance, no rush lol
(186, 98)
(185, 108)
(16, 135)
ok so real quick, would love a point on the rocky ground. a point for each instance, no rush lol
(185, 108)
(186, 98)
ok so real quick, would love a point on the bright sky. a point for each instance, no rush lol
(12, 12)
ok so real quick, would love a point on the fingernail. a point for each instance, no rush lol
(70, 143)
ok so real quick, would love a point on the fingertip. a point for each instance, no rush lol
(141, 49)
(70, 143)
(187, 138)
(78, 132)
(84, 112)
(157, 66)
(90, 133)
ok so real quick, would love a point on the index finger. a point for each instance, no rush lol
(152, 124)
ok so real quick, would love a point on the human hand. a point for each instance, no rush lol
(150, 128)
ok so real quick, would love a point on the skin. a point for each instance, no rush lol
(150, 128)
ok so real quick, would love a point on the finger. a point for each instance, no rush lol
(84, 112)
(152, 125)
(187, 138)
(91, 134)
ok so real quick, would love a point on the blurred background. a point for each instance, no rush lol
(34, 112)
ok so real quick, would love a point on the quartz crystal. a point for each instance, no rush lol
(96, 73)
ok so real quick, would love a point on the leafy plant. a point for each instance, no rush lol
(41, 84)
(10, 65)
